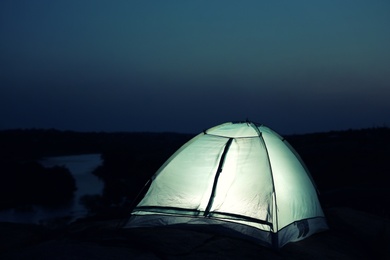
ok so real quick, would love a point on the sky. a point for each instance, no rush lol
(185, 66)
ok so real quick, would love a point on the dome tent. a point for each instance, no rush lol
(241, 178)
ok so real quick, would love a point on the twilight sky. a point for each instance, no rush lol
(184, 66)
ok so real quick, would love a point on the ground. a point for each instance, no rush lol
(352, 235)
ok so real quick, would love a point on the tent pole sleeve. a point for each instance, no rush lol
(273, 183)
(220, 166)
(275, 227)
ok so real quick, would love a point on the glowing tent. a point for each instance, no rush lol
(241, 178)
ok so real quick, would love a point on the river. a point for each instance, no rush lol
(81, 167)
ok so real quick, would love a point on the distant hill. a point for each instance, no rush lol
(25, 144)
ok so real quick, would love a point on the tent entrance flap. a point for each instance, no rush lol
(219, 170)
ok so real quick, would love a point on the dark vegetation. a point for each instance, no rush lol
(29, 183)
(350, 167)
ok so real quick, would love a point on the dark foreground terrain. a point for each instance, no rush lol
(353, 235)
(351, 169)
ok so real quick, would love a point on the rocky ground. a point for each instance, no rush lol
(353, 235)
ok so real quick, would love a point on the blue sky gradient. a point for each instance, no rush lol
(296, 66)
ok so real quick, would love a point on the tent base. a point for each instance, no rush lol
(291, 233)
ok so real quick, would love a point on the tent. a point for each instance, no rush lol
(239, 178)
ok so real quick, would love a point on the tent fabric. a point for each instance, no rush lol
(238, 177)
